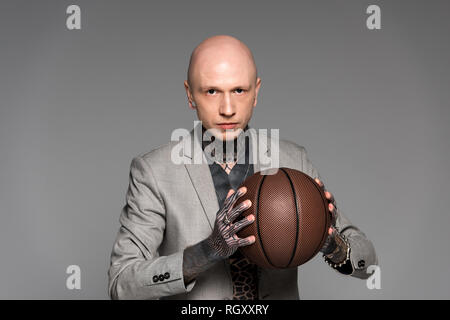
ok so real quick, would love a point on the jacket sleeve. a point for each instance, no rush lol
(136, 270)
(362, 251)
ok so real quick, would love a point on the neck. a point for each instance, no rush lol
(229, 148)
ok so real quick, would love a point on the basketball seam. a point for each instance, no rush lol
(297, 217)
(257, 221)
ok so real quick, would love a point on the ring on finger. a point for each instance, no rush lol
(226, 221)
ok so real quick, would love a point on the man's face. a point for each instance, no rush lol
(225, 92)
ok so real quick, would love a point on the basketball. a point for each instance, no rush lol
(291, 218)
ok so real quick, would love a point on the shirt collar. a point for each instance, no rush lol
(239, 144)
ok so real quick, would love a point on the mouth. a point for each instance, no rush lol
(228, 125)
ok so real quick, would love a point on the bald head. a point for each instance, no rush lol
(220, 51)
(222, 85)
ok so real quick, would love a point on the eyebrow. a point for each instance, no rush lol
(205, 88)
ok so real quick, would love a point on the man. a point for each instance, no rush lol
(177, 238)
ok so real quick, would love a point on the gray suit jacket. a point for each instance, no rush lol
(172, 206)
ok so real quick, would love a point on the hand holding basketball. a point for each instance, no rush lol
(292, 218)
(223, 241)
(331, 204)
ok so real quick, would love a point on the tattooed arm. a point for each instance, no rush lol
(223, 241)
(197, 259)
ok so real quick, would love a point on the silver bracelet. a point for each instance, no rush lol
(347, 255)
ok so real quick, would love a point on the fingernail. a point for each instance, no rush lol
(251, 218)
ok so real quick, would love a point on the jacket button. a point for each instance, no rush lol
(161, 277)
(166, 275)
(155, 278)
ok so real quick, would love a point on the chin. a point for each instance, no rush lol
(230, 134)
(225, 135)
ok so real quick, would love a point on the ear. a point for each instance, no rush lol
(189, 95)
(258, 85)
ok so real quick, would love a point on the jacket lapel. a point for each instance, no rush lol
(201, 178)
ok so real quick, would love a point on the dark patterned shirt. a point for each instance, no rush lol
(243, 272)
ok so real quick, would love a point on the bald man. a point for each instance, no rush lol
(177, 238)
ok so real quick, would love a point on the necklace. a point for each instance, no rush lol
(227, 167)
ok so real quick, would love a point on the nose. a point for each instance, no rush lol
(226, 108)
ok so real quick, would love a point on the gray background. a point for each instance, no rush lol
(371, 108)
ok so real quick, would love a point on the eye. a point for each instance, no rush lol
(239, 90)
(211, 91)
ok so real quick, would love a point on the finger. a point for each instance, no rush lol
(232, 241)
(246, 241)
(329, 196)
(242, 224)
(242, 191)
(230, 192)
(330, 231)
(229, 202)
(332, 208)
(239, 209)
(317, 180)
(333, 212)
(228, 198)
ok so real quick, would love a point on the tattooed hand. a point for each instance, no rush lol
(223, 240)
(335, 246)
